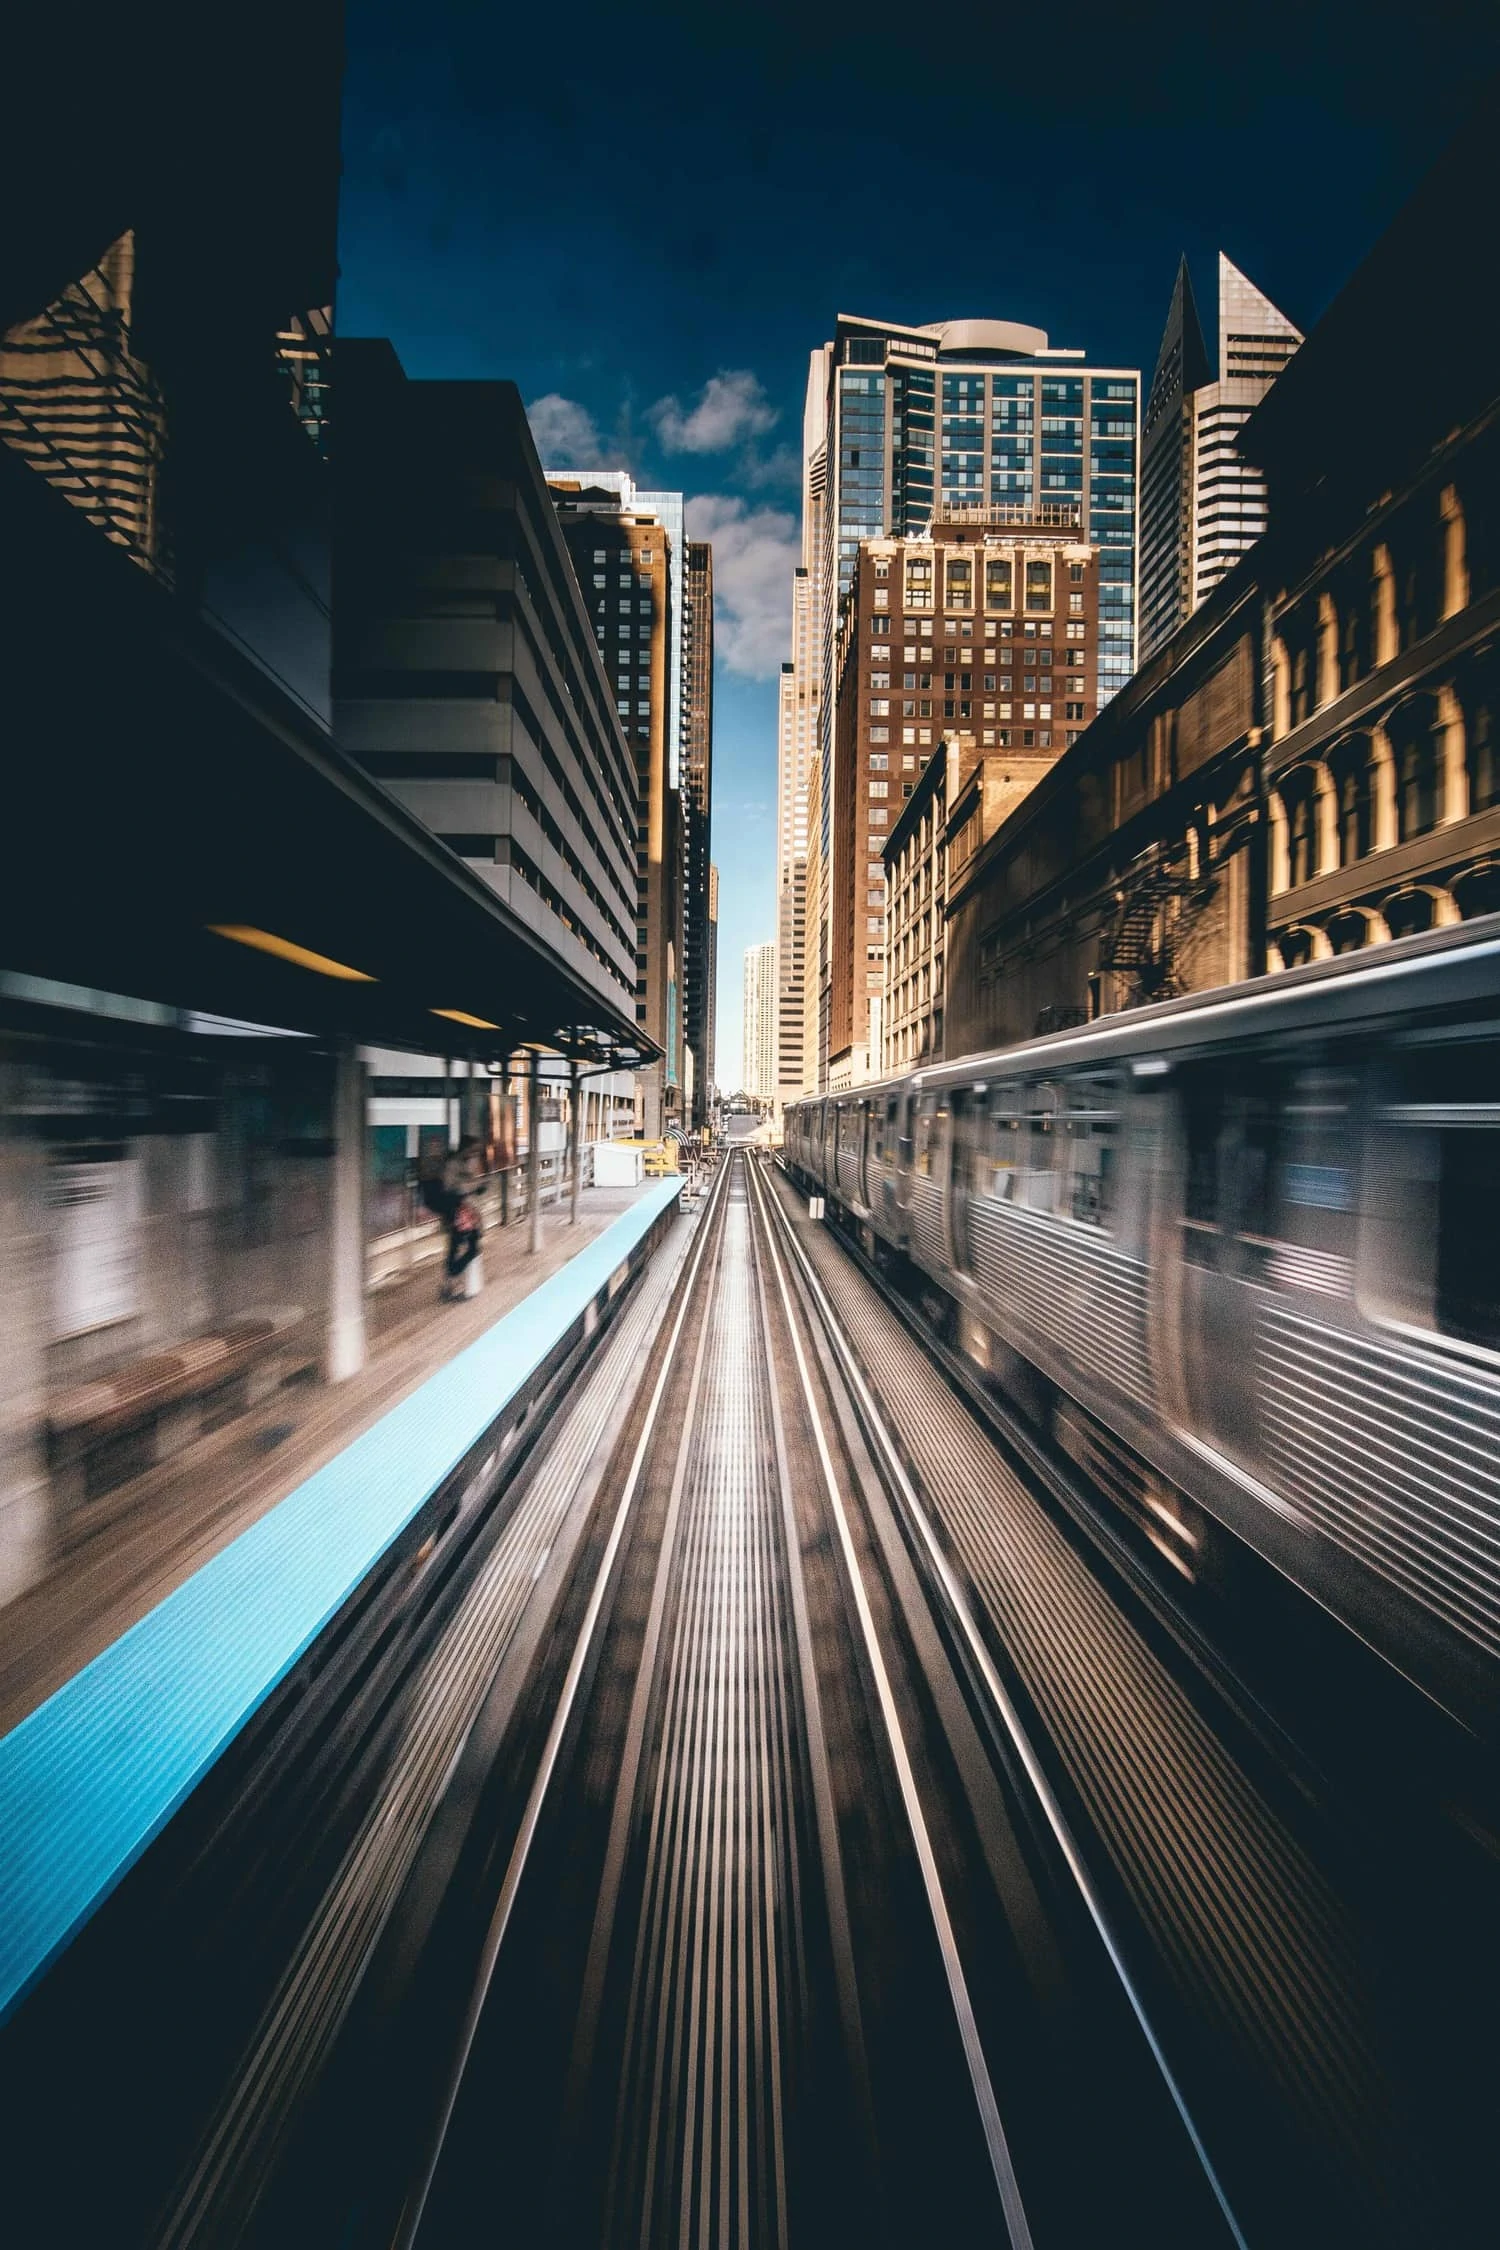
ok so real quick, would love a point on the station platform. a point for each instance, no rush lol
(174, 1646)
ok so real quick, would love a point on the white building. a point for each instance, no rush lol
(1202, 505)
(759, 1069)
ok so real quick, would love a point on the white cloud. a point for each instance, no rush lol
(732, 408)
(755, 552)
(566, 434)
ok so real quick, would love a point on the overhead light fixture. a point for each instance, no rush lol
(300, 956)
(457, 1015)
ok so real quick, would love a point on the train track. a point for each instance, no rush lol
(782, 1837)
(749, 1976)
(1255, 1966)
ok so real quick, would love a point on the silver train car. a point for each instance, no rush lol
(1241, 1251)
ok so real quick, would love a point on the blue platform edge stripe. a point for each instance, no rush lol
(90, 1777)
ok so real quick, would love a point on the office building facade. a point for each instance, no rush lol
(986, 626)
(797, 711)
(699, 928)
(713, 983)
(469, 683)
(1203, 505)
(758, 1073)
(961, 797)
(902, 424)
(621, 543)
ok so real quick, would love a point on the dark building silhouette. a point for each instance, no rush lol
(699, 933)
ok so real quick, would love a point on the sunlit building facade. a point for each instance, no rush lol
(625, 546)
(905, 423)
(759, 1068)
(699, 932)
(1203, 505)
(985, 627)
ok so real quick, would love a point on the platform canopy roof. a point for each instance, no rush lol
(180, 828)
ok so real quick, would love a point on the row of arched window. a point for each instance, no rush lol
(1429, 760)
(1405, 912)
(1431, 558)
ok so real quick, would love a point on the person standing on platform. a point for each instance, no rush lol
(461, 1217)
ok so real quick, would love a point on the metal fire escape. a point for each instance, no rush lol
(1158, 898)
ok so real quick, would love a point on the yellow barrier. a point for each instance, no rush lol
(660, 1157)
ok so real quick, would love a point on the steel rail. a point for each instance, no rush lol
(962, 1613)
(997, 2146)
(414, 2207)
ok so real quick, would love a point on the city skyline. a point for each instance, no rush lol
(713, 301)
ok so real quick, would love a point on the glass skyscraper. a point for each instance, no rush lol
(973, 422)
(971, 415)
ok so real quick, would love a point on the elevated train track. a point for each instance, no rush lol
(782, 1822)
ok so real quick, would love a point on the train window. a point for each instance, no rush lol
(1042, 1148)
(885, 1130)
(1430, 1250)
(1230, 1125)
(929, 1125)
(1005, 1144)
(1092, 1127)
(1313, 1183)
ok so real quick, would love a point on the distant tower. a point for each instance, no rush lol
(1202, 506)
(759, 1071)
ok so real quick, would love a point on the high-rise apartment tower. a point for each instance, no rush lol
(759, 1068)
(1202, 504)
(699, 935)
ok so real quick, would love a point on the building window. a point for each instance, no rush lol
(1075, 572)
(1417, 741)
(879, 761)
(1301, 840)
(880, 734)
(880, 707)
(1039, 585)
(1417, 792)
(919, 585)
(1073, 710)
(958, 582)
(1075, 605)
(1479, 742)
(1355, 807)
(879, 788)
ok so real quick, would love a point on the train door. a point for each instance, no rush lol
(1229, 1127)
(866, 1133)
(969, 1126)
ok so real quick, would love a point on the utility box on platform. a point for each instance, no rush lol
(619, 1164)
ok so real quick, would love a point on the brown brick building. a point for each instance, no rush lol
(1128, 872)
(989, 627)
(962, 795)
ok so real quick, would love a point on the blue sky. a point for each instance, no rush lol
(646, 218)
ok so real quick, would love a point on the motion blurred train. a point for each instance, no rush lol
(1240, 1253)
